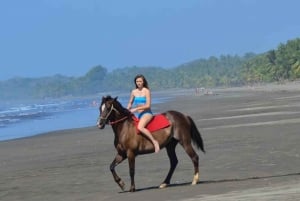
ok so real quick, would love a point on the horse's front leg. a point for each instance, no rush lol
(131, 162)
(118, 159)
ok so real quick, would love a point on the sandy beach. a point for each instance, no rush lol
(251, 136)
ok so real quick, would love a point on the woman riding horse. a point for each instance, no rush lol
(129, 143)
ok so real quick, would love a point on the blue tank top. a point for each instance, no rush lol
(139, 100)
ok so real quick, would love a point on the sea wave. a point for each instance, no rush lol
(20, 113)
(23, 120)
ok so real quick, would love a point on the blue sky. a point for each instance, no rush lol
(69, 37)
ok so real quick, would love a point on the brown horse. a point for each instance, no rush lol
(129, 144)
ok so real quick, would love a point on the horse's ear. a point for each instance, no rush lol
(116, 98)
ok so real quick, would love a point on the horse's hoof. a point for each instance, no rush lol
(195, 179)
(163, 185)
(122, 185)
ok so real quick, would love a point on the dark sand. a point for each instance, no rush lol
(251, 136)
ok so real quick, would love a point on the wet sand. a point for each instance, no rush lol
(251, 136)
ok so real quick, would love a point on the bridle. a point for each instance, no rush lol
(108, 114)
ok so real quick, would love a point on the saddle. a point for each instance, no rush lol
(158, 121)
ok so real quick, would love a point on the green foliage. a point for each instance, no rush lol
(273, 66)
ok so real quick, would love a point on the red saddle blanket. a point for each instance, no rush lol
(158, 121)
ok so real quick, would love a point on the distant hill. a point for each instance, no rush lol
(281, 64)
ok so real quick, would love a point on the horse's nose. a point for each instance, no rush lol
(100, 126)
(98, 122)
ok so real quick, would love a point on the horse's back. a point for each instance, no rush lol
(175, 116)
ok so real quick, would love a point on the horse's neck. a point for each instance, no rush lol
(119, 127)
(118, 130)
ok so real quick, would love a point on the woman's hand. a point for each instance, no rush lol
(133, 110)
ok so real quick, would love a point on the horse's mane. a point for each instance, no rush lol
(118, 105)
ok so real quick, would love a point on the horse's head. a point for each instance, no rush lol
(108, 109)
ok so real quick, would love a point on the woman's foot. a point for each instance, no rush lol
(156, 146)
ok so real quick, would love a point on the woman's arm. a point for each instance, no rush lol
(129, 105)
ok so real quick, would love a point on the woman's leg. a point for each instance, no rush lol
(144, 120)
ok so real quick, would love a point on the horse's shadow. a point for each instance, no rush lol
(169, 186)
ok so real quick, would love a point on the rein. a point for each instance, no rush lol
(117, 121)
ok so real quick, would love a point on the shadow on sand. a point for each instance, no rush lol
(216, 181)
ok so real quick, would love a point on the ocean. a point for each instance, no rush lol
(24, 119)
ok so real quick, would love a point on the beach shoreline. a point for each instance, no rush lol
(250, 135)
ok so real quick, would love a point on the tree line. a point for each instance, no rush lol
(276, 65)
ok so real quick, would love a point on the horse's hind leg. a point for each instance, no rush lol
(173, 161)
(195, 159)
(118, 159)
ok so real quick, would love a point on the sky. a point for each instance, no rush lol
(69, 37)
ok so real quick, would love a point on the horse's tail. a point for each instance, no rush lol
(196, 136)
